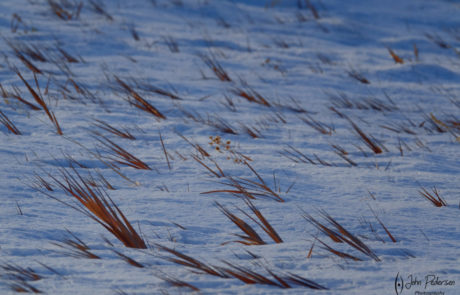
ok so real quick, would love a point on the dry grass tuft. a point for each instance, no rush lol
(316, 125)
(338, 234)
(433, 197)
(97, 205)
(120, 155)
(216, 67)
(247, 188)
(395, 57)
(196, 146)
(358, 76)
(368, 140)
(296, 156)
(65, 10)
(99, 9)
(252, 238)
(193, 263)
(175, 282)
(251, 95)
(76, 248)
(39, 99)
(138, 101)
(217, 173)
(392, 238)
(241, 273)
(128, 259)
(8, 124)
(263, 224)
(118, 132)
(69, 58)
(20, 278)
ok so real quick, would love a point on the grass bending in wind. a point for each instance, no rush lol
(97, 205)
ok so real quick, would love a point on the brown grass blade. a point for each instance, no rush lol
(248, 276)
(358, 76)
(366, 139)
(266, 226)
(310, 252)
(8, 124)
(59, 10)
(351, 239)
(217, 173)
(383, 226)
(120, 155)
(139, 102)
(298, 280)
(251, 95)
(192, 262)
(175, 282)
(215, 66)
(164, 151)
(69, 58)
(339, 253)
(28, 63)
(316, 125)
(96, 204)
(196, 146)
(20, 273)
(77, 248)
(396, 58)
(433, 197)
(312, 9)
(41, 102)
(118, 132)
(251, 237)
(340, 235)
(129, 260)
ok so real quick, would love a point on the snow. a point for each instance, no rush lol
(302, 67)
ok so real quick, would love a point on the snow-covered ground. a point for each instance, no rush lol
(331, 117)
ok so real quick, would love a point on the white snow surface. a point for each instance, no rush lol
(303, 67)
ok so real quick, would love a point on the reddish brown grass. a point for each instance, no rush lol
(251, 237)
(215, 66)
(138, 101)
(246, 188)
(433, 197)
(118, 132)
(339, 234)
(395, 57)
(392, 238)
(241, 273)
(128, 259)
(120, 155)
(193, 263)
(175, 282)
(39, 99)
(20, 277)
(76, 248)
(69, 58)
(97, 205)
(369, 141)
(358, 76)
(8, 124)
(316, 125)
(217, 173)
(251, 95)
